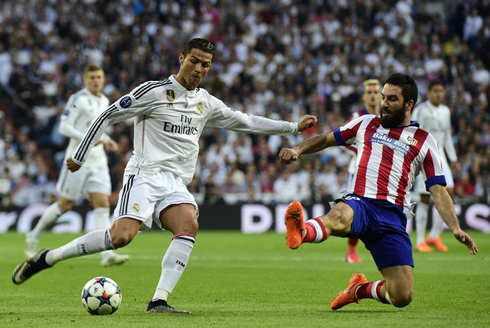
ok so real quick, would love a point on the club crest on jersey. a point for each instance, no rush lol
(412, 141)
(136, 207)
(170, 95)
(200, 109)
(90, 102)
(125, 102)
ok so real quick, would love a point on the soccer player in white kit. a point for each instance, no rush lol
(93, 179)
(170, 116)
(434, 117)
(392, 151)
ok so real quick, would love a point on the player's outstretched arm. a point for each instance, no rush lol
(308, 146)
(445, 207)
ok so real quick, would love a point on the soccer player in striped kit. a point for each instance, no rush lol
(372, 101)
(170, 116)
(435, 117)
(392, 150)
(94, 179)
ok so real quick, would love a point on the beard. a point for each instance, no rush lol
(394, 119)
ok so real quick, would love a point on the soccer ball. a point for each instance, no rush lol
(101, 295)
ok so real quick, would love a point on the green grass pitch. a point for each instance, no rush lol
(237, 280)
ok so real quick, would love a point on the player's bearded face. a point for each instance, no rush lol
(393, 117)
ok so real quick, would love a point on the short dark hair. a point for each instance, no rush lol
(407, 84)
(434, 83)
(198, 43)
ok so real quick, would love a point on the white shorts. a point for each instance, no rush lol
(89, 179)
(419, 184)
(143, 197)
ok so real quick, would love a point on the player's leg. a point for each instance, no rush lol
(352, 256)
(52, 213)
(421, 217)
(69, 186)
(181, 220)
(434, 237)
(383, 231)
(102, 219)
(120, 234)
(336, 222)
(133, 209)
(98, 187)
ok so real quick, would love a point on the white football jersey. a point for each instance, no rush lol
(437, 121)
(80, 112)
(169, 119)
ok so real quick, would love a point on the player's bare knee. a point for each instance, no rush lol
(190, 227)
(402, 299)
(121, 239)
(65, 205)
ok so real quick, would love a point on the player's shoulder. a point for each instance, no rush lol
(76, 100)
(425, 135)
(146, 87)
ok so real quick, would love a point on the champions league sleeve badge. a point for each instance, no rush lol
(125, 102)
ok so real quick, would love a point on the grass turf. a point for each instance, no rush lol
(237, 280)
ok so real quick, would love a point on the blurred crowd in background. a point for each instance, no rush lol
(278, 58)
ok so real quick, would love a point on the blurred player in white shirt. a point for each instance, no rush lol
(434, 117)
(93, 180)
(170, 116)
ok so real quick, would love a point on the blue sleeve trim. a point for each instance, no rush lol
(338, 137)
(438, 179)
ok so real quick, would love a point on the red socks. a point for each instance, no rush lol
(372, 290)
(315, 231)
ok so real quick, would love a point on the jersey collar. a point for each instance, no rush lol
(181, 88)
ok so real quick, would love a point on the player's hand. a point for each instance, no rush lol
(288, 155)
(111, 145)
(464, 238)
(307, 122)
(456, 166)
(71, 165)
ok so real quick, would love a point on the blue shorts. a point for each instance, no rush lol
(381, 226)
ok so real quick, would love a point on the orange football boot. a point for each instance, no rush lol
(295, 225)
(423, 248)
(349, 294)
(437, 243)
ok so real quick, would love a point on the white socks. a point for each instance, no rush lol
(93, 242)
(173, 264)
(102, 220)
(437, 225)
(49, 216)
(421, 216)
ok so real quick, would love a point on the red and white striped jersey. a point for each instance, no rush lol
(388, 160)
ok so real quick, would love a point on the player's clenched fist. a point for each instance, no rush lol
(307, 122)
(71, 165)
(288, 155)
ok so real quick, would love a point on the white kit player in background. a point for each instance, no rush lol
(434, 117)
(93, 179)
(170, 116)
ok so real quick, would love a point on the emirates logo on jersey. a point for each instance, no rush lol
(412, 141)
(170, 95)
(200, 109)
